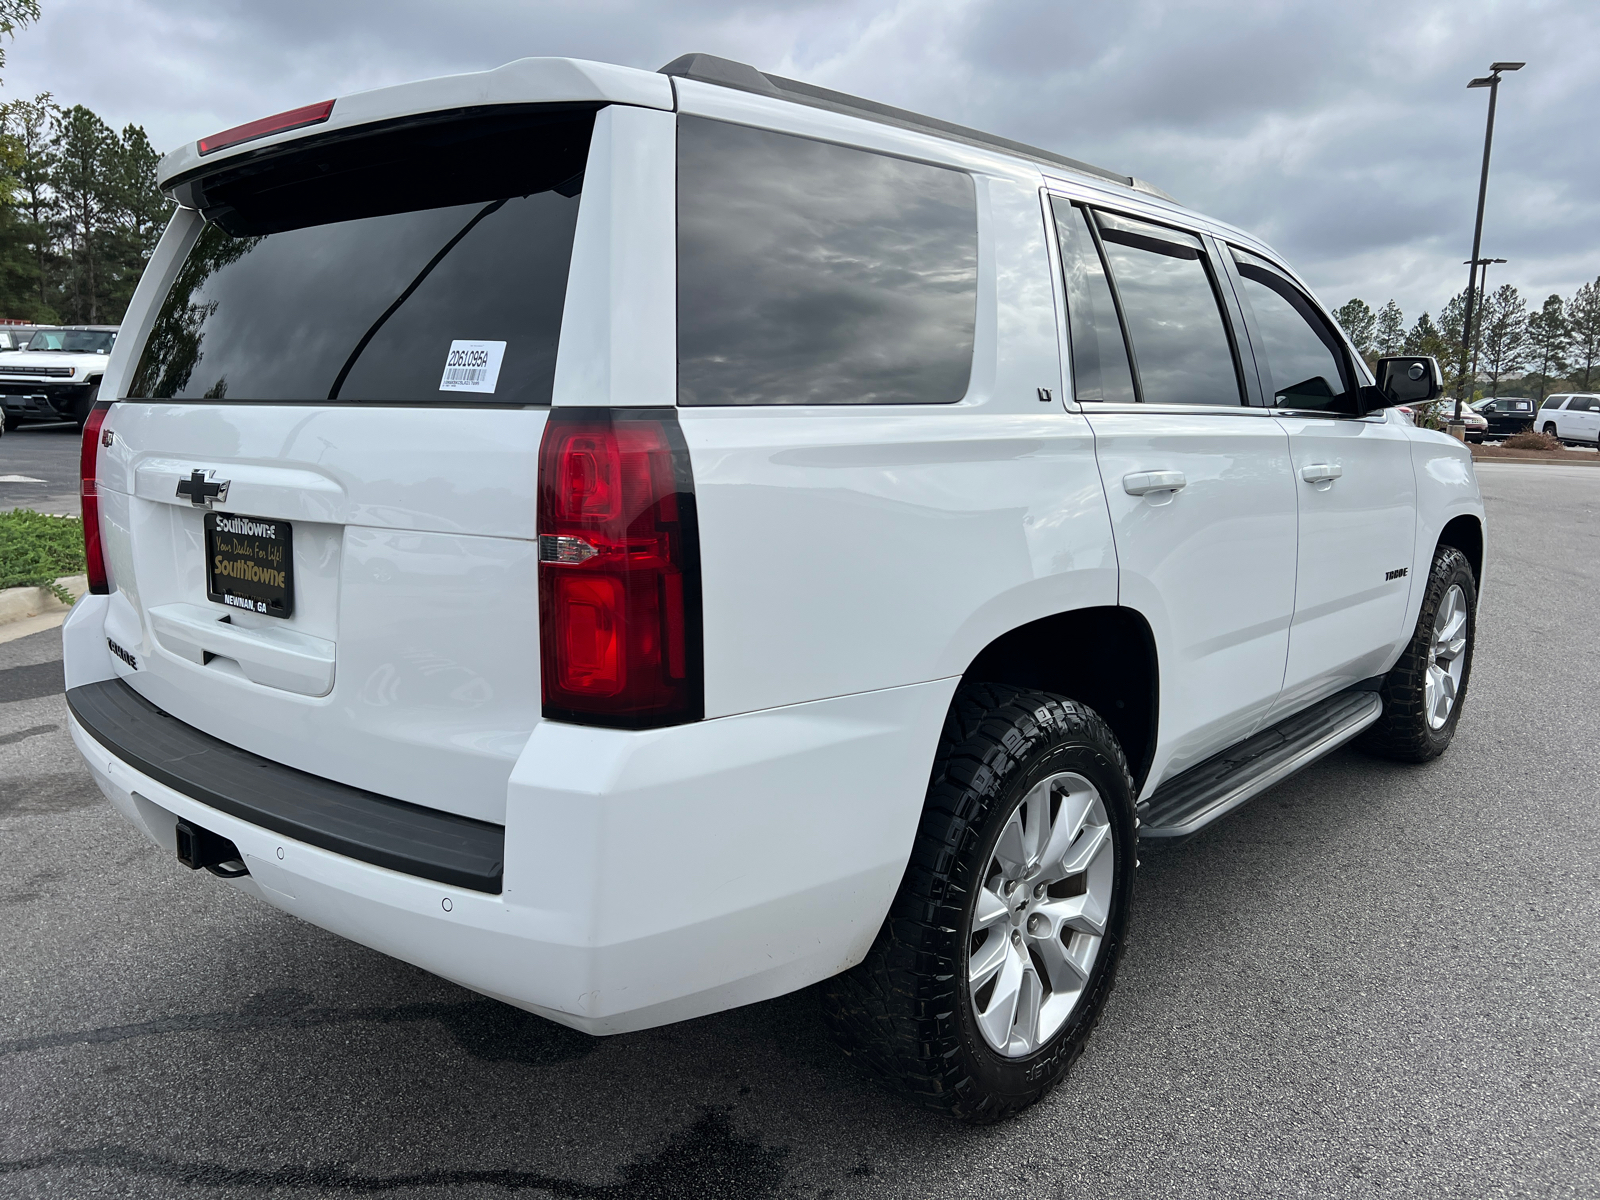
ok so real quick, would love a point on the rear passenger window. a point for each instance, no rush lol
(1301, 358)
(1172, 313)
(810, 273)
(1100, 369)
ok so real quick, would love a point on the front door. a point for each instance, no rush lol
(1355, 487)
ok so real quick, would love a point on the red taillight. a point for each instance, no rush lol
(90, 495)
(311, 114)
(619, 570)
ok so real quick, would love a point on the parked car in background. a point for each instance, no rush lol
(1572, 418)
(1477, 425)
(56, 377)
(1506, 415)
(15, 337)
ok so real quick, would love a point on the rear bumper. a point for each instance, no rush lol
(649, 876)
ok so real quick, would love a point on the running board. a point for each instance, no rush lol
(1187, 804)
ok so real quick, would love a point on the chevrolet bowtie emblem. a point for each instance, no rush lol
(201, 491)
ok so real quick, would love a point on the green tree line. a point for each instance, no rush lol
(1554, 347)
(80, 213)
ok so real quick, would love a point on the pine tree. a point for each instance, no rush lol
(84, 147)
(1357, 320)
(27, 125)
(1505, 334)
(1390, 337)
(1583, 327)
(1455, 361)
(1548, 337)
(1424, 338)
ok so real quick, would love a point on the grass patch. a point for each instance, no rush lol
(36, 550)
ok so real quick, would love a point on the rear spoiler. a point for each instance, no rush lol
(526, 81)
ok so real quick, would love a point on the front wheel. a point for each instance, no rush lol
(1002, 945)
(1424, 692)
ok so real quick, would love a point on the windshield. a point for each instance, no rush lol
(419, 265)
(73, 341)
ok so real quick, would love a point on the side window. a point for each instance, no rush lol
(1172, 313)
(1303, 360)
(811, 273)
(1100, 370)
(1553, 401)
(1581, 404)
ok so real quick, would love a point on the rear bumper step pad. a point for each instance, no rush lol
(1190, 802)
(334, 816)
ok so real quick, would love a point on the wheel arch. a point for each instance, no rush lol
(1103, 656)
(1465, 533)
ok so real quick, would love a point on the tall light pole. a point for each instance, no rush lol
(1492, 82)
(1483, 288)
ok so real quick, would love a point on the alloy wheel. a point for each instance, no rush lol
(1447, 657)
(1040, 915)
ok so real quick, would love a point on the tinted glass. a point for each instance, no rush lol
(1553, 401)
(1302, 362)
(1100, 369)
(350, 295)
(1180, 344)
(1581, 404)
(74, 341)
(810, 273)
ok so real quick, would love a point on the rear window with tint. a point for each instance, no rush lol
(425, 263)
(810, 273)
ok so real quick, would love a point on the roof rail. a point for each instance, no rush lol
(724, 72)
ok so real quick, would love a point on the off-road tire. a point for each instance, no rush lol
(904, 1013)
(1403, 732)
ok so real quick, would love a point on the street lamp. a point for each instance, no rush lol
(1483, 290)
(1492, 82)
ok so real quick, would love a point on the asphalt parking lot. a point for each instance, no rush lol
(1374, 981)
(39, 468)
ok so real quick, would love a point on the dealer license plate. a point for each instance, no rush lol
(250, 563)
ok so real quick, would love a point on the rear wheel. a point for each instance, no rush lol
(1424, 692)
(1550, 428)
(1002, 945)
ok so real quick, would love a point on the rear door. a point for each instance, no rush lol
(319, 491)
(1355, 487)
(1202, 502)
(1581, 419)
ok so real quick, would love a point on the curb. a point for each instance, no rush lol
(23, 603)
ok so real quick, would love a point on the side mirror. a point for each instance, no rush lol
(1409, 380)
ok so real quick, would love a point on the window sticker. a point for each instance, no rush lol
(472, 366)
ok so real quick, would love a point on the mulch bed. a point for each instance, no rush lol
(1586, 458)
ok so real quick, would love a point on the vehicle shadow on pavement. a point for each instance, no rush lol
(366, 1075)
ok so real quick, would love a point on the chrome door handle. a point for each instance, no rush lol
(1321, 472)
(1142, 483)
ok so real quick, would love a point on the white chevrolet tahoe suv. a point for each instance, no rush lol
(637, 544)
(56, 375)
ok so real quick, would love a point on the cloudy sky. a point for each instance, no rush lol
(1342, 132)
